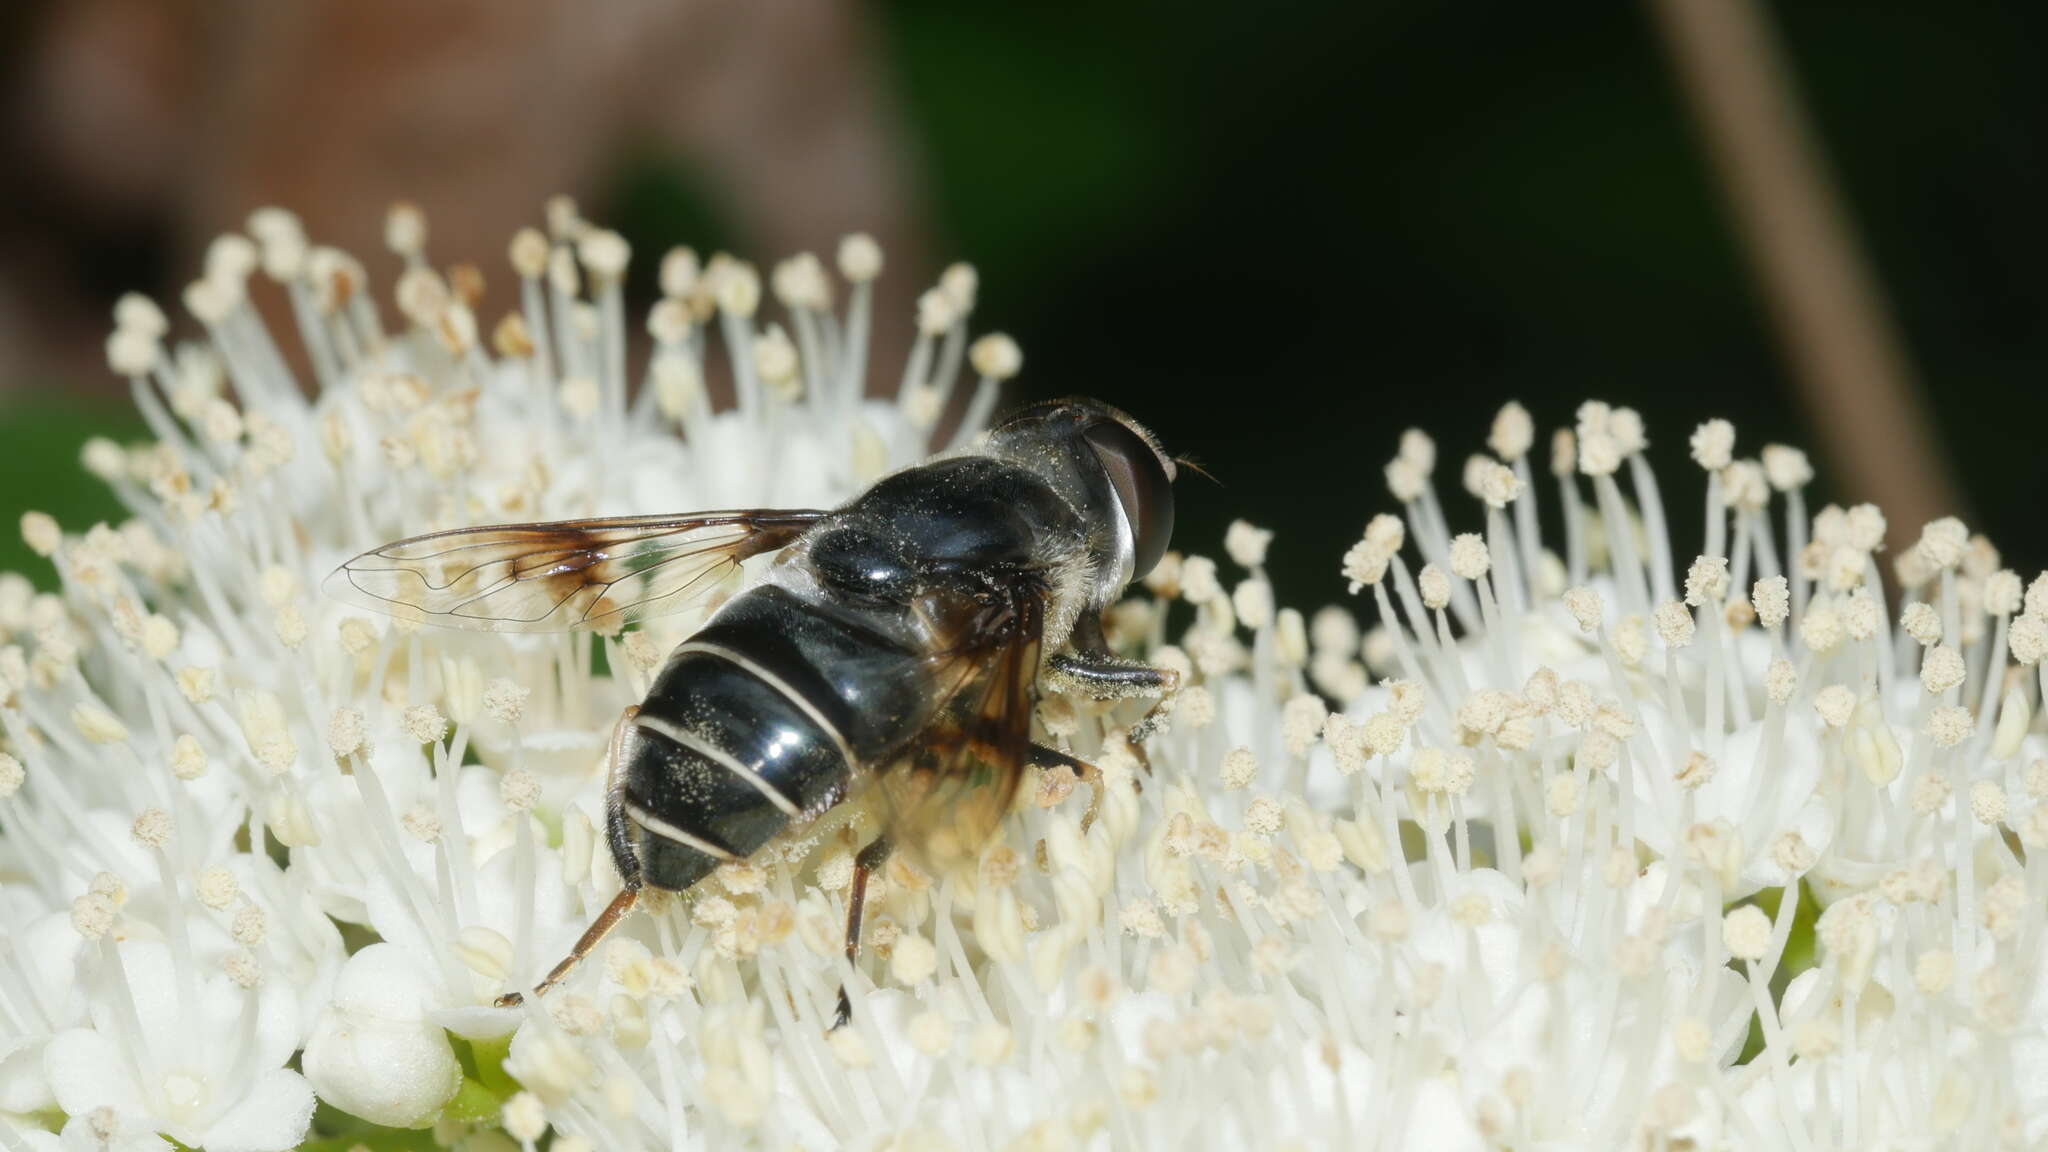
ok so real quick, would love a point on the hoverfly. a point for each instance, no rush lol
(894, 644)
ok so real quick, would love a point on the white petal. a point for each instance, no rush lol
(1515, 1036)
(277, 1024)
(87, 1071)
(78, 1137)
(23, 1085)
(153, 982)
(50, 949)
(390, 912)
(1440, 1120)
(2030, 1068)
(272, 1116)
(479, 1022)
(385, 981)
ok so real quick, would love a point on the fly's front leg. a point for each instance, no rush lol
(1101, 676)
(864, 865)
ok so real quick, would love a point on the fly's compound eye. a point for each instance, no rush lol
(1144, 488)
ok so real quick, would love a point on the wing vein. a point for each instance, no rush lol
(563, 576)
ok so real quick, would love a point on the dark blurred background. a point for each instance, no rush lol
(1280, 233)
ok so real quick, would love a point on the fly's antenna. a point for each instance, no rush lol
(1195, 466)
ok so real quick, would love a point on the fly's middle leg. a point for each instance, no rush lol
(622, 856)
(864, 865)
(1084, 772)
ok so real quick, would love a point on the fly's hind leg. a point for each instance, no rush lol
(864, 865)
(622, 856)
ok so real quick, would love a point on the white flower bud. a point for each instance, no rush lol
(2014, 716)
(679, 273)
(1922, 623)
(1469, 558)
(913, 960)
(250, 926)
(1933, 971)
(1365, 565)
(188, 758)
(996, 356)
(991, 1044)
(529, 253)
(1584, 605)
(1942, 542)
(92, 915)
(131, 352)
(1562, 796)
(1772, 599)
(423, 723)
(152, 829)
(1497, 484)
(930, 1033)
(1198, 582)
(2028, 640)
(1239, 769)
(1405, 481)
(1987, 802)
(1626, 426)
(1674, 624)
(1513, 432)
(1950, 726)
(39, 531)
(525, 1118)
(860, 258)
(1564, 453)
(375, 1055)
(738, 287)
(1713, 445)
(1246, 543)
(1691, 1039)
(1792, 853)
(98, 725)
(1744, 483)
(1941, 669)
(345, 732)
(1787, 468)
(1747, 932)
(604, 254)
(2002, 593)
(1706, 581)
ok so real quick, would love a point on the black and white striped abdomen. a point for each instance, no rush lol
(758, 720)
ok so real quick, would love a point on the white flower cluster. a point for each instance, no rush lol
(1642, 748)
(1499, 896)
(240, 823)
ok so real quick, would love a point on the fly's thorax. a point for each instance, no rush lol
(1073, 571)
(952, 522)
(963, 522)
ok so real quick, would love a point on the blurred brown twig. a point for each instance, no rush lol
(1856, 378)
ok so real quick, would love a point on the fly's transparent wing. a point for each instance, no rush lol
(946, 795)
(568, 575)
